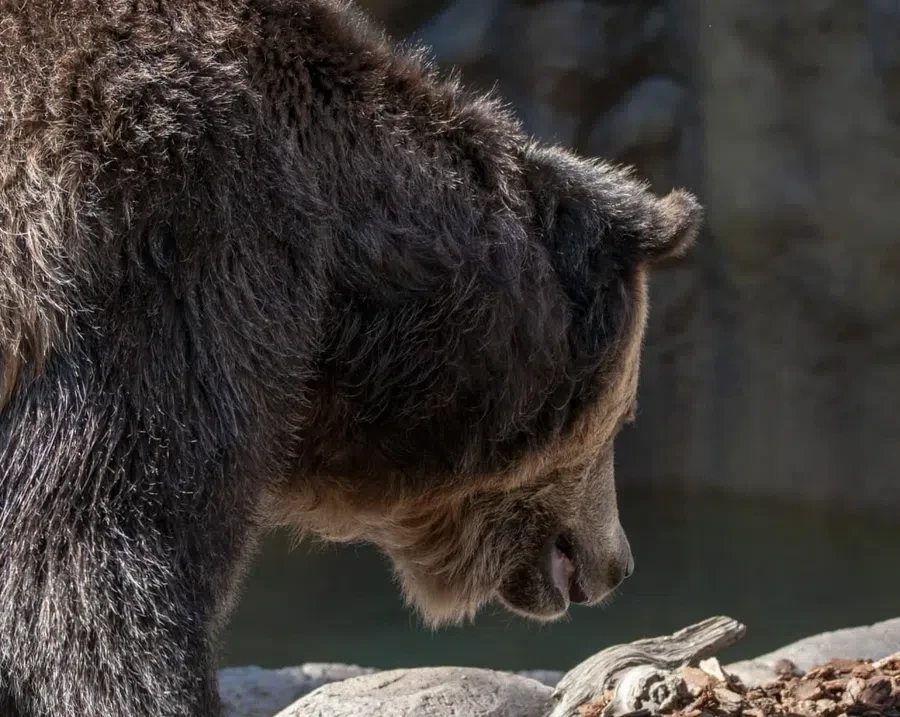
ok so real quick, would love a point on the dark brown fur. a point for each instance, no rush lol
(259, 266)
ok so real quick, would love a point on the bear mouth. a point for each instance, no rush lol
(565, 572)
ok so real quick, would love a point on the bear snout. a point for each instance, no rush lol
(621, 569)
(622, 566)
(566, 570)
(601, 567)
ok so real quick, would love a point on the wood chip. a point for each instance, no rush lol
(714, 669)
(696, 680)
(838, 685)
(877, 693)
(844, 666)
(838, 688)
(729, 702)
(834, 689)
(855, 686)
(808, 690)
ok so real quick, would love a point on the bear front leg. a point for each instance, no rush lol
(122, 532)
(120, 620)
(8, 706)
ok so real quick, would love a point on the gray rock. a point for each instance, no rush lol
(428, 692)
(647, 116)
(784, 377)
(872, 642)
(257, 692)
(884, 29)
(593, 40)
(402, 17)
(459, 34)
(546, 677)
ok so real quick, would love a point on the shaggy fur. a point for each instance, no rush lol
(259, 266)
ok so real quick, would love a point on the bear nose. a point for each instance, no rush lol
(620, 569)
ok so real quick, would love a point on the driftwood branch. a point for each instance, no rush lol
(642, 677)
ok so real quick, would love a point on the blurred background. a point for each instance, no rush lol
(762, 479)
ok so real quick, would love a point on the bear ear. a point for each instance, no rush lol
(678, 221)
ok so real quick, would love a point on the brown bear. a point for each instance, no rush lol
(260, 266)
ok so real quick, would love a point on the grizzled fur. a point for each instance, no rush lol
(258, 266)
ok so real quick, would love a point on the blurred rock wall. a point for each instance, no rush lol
(773, 356)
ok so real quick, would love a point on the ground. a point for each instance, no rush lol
(836, 688)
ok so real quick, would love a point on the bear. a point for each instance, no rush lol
(262, 266)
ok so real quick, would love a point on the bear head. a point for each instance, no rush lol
(523, 512)
(488, 299)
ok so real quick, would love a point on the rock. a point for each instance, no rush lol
(785, 117)
(870, 642)
(647, 116)
(459, 35)
(403, 17)
(823, 675)
(792, 336)
(256, 692)
(545, 677)
(428, 692)
(884, 31)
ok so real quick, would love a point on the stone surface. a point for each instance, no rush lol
(647, 116)
(772, 354)
(873, 642)
(257, 692)
(797, 280)
(428, 692)
(545, 677)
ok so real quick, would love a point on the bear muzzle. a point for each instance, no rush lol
(583, 577)
(565, 571)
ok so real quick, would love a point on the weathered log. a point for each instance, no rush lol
(644, 676)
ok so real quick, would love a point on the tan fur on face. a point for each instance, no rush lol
(452, 547)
